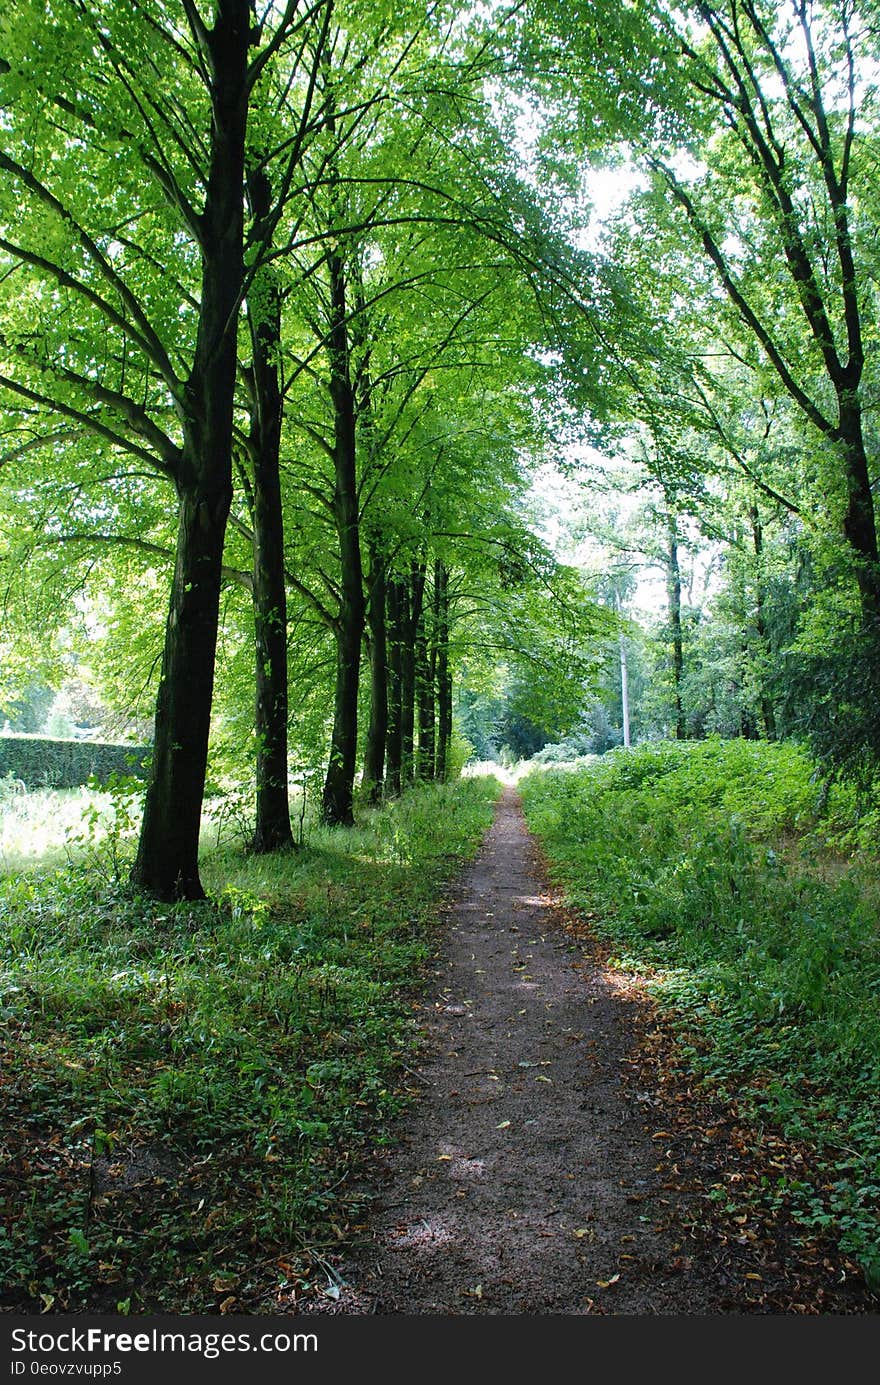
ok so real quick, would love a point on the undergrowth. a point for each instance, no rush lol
(188, 1089)
(725, 871)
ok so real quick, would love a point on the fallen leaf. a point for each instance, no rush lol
(502, 1125)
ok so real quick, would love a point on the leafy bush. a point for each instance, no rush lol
(830, 697)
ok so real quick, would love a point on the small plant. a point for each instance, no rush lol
(308, 788)
(109, 826)
(12, 790)
(232, 814)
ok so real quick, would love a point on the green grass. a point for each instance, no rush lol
(194, 1087)
(719, 869)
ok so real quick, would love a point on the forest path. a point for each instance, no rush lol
(526, 1180)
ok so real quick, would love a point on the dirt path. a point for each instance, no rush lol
(527, 1182)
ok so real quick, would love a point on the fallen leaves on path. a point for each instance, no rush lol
(721, 1169)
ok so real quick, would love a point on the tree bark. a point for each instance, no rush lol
(673, 588)
(412, 614)
(394, 743)
(859, 523)
(444, 678)
(377, 729)
(407, 685)
(167, 858)
(272, 830)
(624, 674)
(337, 802)
(426, 661)
(768, 714)
(624, 689)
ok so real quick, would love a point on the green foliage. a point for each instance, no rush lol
(41, 762)
(105, 840)
(710, 865)
(27, 713)
(195, 1084)
(831, 697)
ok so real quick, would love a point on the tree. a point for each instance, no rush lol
(782, 84)
(98, 89)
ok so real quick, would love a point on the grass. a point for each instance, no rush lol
(194, 1087)
(718, 868)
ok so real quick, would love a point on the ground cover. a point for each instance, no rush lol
(725, 875)
(187, 1089)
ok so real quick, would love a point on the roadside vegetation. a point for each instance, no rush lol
(747, 895)
(196, 1085)
(385, 387)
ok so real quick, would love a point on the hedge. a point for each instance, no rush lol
(40, 762)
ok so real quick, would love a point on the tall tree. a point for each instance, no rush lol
(782, 82)
(89, 84)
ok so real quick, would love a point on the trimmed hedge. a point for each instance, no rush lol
(42, 763)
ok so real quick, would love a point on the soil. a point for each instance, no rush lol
(547, 1169)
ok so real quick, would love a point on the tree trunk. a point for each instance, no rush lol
(337, 803)
(768, 714)
(272, 831)
(377, 729)
(166, 865)
(167, 859)
(673, 588)
(859, 524)
(426, 661)
(624, 689)
(444, 679)
(412, 615)
(338, 797)
(394, 743)
(624, 674)
(407, 686)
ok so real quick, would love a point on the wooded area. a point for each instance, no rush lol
(395, 211)
(385, 388)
